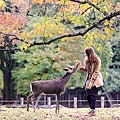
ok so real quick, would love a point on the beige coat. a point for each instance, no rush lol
(96, 74)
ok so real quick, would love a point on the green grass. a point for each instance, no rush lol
(65, 114)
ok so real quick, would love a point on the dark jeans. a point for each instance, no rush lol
(91, 96)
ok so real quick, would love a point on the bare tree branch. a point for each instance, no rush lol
(90, 3)
(108, 17)
(8, 34)
(85, 2)
(14, 37)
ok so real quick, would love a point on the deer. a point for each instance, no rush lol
(55, 86)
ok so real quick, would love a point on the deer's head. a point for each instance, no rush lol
(71, 69)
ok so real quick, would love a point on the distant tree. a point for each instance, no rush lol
(11, 23)
(113, 82)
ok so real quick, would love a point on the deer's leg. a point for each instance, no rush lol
(28, 100)
(33, 99)
(57, 104)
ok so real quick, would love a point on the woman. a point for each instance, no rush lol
(92, 65)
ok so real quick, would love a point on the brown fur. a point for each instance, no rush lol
(55, 86)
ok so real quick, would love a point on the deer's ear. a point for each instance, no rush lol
(65, 69)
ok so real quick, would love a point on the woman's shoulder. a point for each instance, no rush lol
(97, 59)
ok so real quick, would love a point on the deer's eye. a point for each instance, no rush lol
(70, 68)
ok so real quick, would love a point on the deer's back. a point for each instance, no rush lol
(48, 86)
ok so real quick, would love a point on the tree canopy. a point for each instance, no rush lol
(51, 20)
(114, 67)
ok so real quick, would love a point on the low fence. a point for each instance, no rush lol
(74, 103)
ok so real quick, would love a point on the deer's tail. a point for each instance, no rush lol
(29, 98)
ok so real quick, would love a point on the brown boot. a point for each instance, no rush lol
(88, 113)
(92, 113)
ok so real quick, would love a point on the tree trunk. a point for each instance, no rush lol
(109, 97)
(8, 91)
(6, 66)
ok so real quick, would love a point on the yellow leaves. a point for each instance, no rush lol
(42, 1)
(63, 9)
(28, 45)
(45, 35)
(94, 36)
(107, 6)
(103, 37)
(2, 5)
(84, 7)
(97, 38)
(64, 2)
(103, 9)
(99, 47)
(38, 1)
(49, 1)
(66, 39)
(77, 20)
(58, 49)
(95, 1)
(39, 28)
(21, 48)
(107, 30)
(89, 41)
(14, 31)
(27, 35)
(24, 46)
(69, 8)
(87, 26)
(106, 22)
(63, 39)
(48, 27)
(112, 22)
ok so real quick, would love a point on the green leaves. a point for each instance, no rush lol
(113, 81)
(35, 63)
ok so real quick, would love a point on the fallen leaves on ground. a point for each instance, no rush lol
(65, 114)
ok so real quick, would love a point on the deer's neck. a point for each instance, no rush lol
(66, 77)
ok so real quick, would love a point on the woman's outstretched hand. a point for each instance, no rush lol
(79, 64)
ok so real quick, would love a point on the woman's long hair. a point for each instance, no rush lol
(90, 54)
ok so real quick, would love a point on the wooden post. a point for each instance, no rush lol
(68, 99)
(102, 101)
(49, 101)
(21, 101)
(75, 102)
(44, 99)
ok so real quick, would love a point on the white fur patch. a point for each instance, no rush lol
(30, 87)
